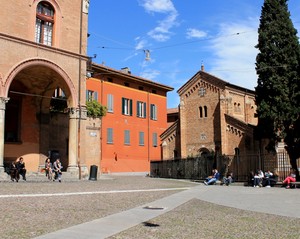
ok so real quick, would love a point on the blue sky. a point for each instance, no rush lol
(180, 35)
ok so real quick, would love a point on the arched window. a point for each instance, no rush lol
(200, 112)
(205, 111)
(44, 23)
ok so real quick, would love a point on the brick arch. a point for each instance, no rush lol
(203, 151)
(54, 3)
(72, 99)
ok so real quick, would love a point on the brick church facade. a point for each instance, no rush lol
(213, 116)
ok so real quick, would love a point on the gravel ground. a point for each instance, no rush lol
(28, 217)
(199, 219)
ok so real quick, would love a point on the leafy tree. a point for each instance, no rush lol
(95, 109)
(278, 86)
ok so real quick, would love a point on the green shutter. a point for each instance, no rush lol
(138, 109)
(87, 95)
(145, 110)
(109, 139)
(96, 95)
(123, 106)
(130, 107)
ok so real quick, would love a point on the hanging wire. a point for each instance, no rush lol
(35, 95)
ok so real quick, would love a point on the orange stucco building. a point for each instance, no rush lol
(136, 116)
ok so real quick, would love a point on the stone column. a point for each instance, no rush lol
(3, 102)
(82, 144)
(283, 159)
(73, 141)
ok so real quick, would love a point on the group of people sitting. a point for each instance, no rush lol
(212, 179)
(269, 179)
(16, 169)
(257, 179)
(261, 179)
(56, 167)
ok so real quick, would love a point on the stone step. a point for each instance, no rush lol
(40, 177)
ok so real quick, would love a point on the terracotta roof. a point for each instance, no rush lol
(105, 69)
(212, 80)
(172, 110)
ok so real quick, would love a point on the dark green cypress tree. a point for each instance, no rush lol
(278, 85)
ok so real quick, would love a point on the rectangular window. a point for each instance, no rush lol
(44, 23)
(43, 32)
(126, 106)
(141, 138)
(38, 29)
(110, 103)
(153, 112)
(141, 109)
(110, 139)
(154, 139)
(91, 95)
(127, 137)
(48, 33)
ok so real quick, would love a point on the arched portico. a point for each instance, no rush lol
(27, 92)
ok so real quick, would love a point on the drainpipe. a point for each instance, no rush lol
(148, 119)
(79, 89)
(101, 127)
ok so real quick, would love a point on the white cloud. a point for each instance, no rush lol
(235, 53)
(131, 56)
(162, 31)
(195, 33)
(140, 44)
(159, 6)
(150, 74)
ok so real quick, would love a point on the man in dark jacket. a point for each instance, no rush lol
(21, 168)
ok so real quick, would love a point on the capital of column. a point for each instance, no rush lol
(78, 113)
(3, 101)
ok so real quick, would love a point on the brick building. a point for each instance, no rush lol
(213, 116)
(136, 116)
(43, 55)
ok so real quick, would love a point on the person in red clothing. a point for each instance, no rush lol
(291, 178)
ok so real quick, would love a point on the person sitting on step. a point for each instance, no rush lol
(213, 178)
(291, 178)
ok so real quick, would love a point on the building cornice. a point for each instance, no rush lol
(212, 80)
(101, 69)
(42, 46)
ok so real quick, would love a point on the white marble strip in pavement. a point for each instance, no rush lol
(90, 193)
